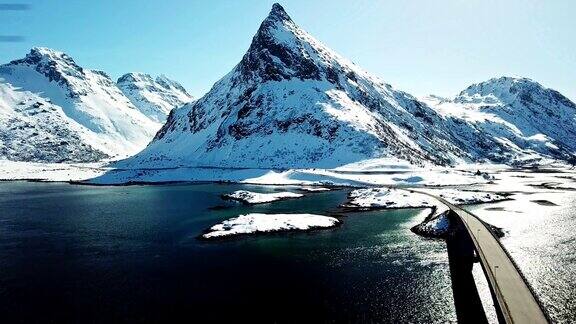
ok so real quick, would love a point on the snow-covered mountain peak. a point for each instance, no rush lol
(508, 90)
(293, 102)
(277, 51)
(171, 84)
(55, 65)
(277, 15)
(134, 77)
(281, 50)
(145, 79)
(154, 97)
(46, 55)
(89, 100)
(530, 120)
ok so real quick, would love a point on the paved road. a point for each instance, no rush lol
(516, 300)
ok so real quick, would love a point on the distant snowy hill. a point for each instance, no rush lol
(530, 122)
(65, 112)
(154, 97)
(292, 102)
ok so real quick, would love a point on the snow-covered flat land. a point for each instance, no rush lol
(359, 175)
(61, 172)
(494, 178)
(249, 197)
(465, 197)
(267, 223)
(402, 198)
(314, 188)
(388, 198)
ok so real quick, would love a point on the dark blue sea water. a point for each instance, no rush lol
(129, 254)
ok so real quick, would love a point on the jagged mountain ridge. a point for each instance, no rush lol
(154, 97)
(53, 110)
(530, 121)
(108, 121)
(292, 102)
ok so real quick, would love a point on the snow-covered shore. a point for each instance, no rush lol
(268, 223)
(51, 172)
(366, 174)
(415, 176)
(314, 189)
(437, 221)
(249, 197)
(371, 198)
(359, 175)
(401, 198)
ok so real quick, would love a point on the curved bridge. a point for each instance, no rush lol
(513, 298)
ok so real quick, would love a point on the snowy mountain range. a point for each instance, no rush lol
(53, 110)
(290, 102)
(154, 97)
(529, 120)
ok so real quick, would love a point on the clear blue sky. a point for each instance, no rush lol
(418, 46)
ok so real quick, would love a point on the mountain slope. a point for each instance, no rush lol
(292, 102)
(530, 121)
(103, 118)
(154, 97)
(33, 129)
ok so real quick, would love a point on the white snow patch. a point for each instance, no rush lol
(315, 189)
(401, 198)
(250, 197)
(266, 223)
(464, 197)
(389, 198)
(11, 170)
(436, 226)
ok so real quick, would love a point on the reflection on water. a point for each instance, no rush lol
(75, 253)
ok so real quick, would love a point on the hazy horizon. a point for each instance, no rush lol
(419, 47)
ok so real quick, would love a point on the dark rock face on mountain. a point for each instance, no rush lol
(271, 59)
(55, 66)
